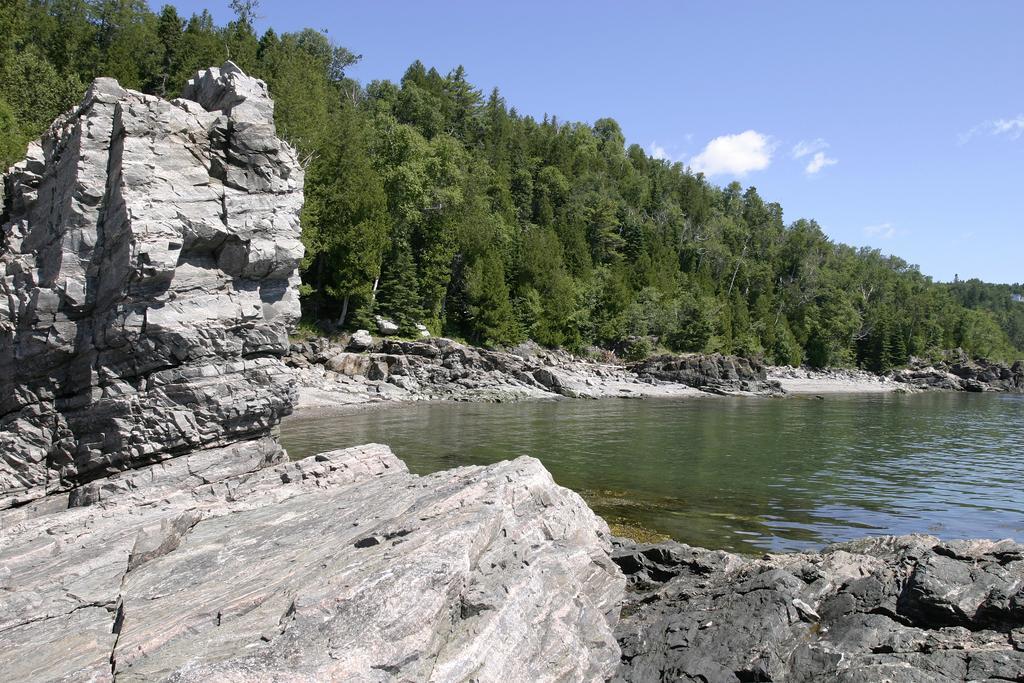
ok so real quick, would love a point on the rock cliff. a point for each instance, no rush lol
(148, 256)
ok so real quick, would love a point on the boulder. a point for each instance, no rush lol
(385, 326)
(360, 341)
(148, 269)
(349, 364)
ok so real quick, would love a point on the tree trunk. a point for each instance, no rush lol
(344, 312)
(737, 269)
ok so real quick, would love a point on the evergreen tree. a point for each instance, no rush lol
(398, 297)
(427, 203)
(491, 317)
(345, 222)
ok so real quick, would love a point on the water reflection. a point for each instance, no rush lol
(741, 474)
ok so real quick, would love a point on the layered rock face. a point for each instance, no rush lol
(906, 608)
(148, 257)
(339, 567)
(713, 372)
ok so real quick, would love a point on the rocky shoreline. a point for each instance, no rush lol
(375, 370)
(364, 370)
(152, 527)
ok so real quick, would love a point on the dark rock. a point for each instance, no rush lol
(714, 373)
(891, 608)
(959, 372)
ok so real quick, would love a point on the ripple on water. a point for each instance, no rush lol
(747, 475)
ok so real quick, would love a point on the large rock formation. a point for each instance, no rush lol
(150, 526)
(338, 567)
(147, 256)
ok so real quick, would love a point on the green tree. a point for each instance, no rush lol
(398, 297)
(345, 221)
(491, 316)
(12, 144)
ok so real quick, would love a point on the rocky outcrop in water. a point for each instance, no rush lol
(342, 566)
(148, 269)
(885, 609)
(959, 372)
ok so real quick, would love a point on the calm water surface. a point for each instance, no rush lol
(741, 474)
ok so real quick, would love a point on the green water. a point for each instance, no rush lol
(741, 474)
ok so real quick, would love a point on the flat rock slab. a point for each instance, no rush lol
(343, 566)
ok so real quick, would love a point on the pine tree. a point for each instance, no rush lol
(398, 296)
(491, 317)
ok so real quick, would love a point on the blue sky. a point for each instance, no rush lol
(898, 125)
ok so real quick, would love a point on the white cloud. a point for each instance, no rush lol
(883, 231)
(658, 152)
(1011, 128)
(805, 147)
(818, 162)
(816, 150)
(735, 154)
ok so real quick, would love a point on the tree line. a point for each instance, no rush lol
(430, 201)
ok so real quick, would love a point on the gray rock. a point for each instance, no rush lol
(713, 373)
(342, 566)
(147, 267)
(958, 372)
(349, 364)
(439, 368)
(385, 326)
(360, 341)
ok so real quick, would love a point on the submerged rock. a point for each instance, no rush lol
(891, 608)
(342, 566)
(148, 270)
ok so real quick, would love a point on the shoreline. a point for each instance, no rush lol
(333, 373)
(152, 528)
(383, 371)
(803, 381)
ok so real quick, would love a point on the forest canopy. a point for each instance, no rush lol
(430, 201)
